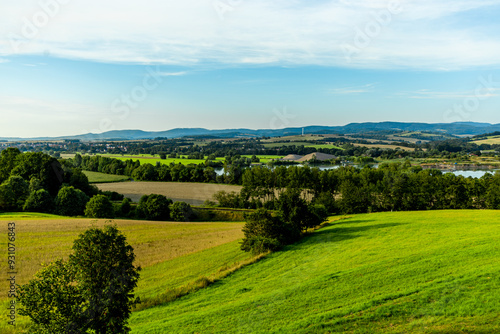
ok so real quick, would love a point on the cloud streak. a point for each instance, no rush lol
(427, 94)
(193, 33)
(351, 90)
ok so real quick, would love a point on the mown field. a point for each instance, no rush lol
(96, 177)
(173, 255)
(491, 140)
(405, 272)
(192, 193)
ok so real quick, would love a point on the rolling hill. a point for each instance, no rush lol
(456, 129)
(405, 272)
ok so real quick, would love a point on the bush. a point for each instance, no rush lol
(229, 200)
(99, 206)
(39, 201)
(113, 195)
(70, 201)
(154, 207)
(181, 212)
(125, 208)
(263, 232)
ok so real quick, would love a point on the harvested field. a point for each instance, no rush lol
(42, 241)
(192, 193)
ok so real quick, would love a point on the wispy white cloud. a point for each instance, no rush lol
(421, 34)
(351, 90)
(428, 94)
(172, 74)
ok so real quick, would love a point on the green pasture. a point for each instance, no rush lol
(404, 272)
(279, 144)
(324, 146)
(96, 177)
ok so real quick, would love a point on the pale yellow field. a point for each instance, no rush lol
(192, 193)
(45, 240)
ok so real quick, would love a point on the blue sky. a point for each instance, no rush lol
(69, 67)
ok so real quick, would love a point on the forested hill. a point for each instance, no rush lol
(457, 129)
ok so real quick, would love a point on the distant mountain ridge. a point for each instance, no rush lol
(456, 129)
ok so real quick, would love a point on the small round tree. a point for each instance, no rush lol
(154, 207)
(39, 201)
(70, 201)
(181, 212)
(99, 206)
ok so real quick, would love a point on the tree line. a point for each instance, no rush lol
(391, 187)
(37, 182)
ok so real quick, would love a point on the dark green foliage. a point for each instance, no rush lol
(124, 208)
(70, 201)
(106, 278)
(154, 207)
(52, 301)
(229, 200)
(42, 166)
(39, 201)
(300, 215)
(99, 206)
(13, 194)
(91, 293)
(35, 185)
(181, 212)
(264, 232)
(145, 172)
(113, 195)
(80, 181)
(8, 160)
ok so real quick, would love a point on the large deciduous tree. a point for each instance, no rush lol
(91, 293)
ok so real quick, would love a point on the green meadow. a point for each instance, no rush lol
(401, 272)
(405, 272)
(96, 177)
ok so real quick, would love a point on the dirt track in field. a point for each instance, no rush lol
(192, 193)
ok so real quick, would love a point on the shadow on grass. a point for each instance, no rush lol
(337, 234)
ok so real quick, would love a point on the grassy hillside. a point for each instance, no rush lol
(174, 256)
(405, 272)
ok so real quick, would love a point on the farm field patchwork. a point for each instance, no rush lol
(192, 193)
(171, 254)
(404, 272)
